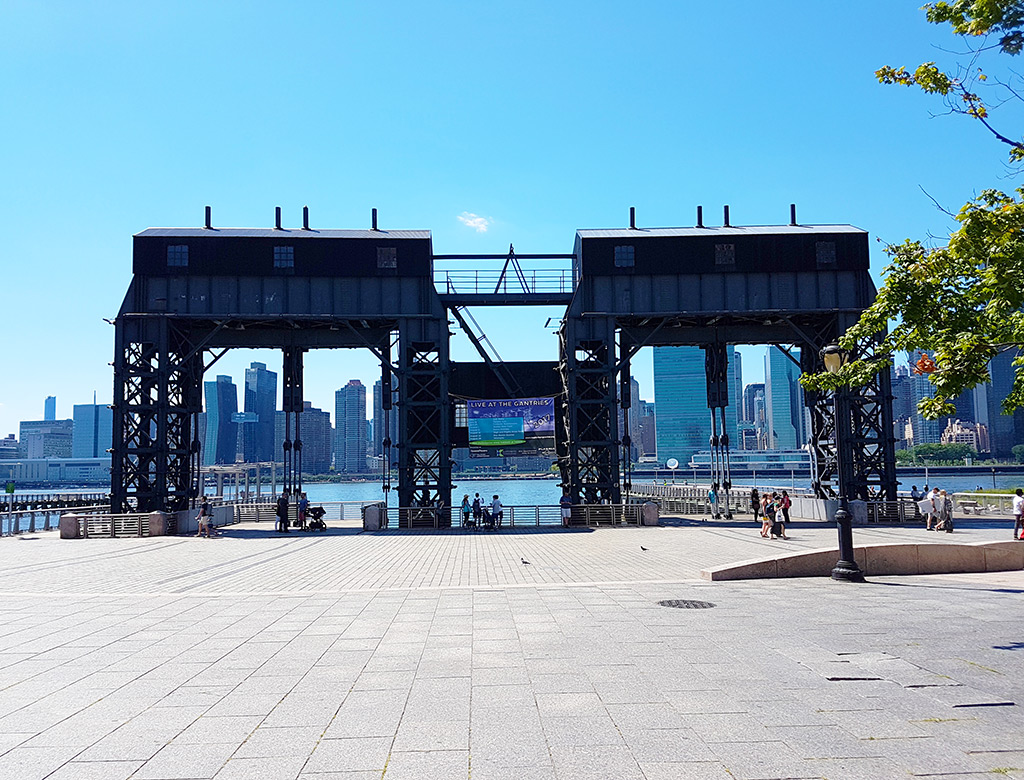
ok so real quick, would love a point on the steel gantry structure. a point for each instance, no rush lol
(198, 292)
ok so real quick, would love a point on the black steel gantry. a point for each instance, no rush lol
(198, 292)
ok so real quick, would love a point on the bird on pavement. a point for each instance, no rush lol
(643, 548)
(525, 562)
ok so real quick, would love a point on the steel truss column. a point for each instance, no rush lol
(157, 376)
(716, 372)
(590, 463)
(868, 450)
(424, 415)
(292, 403)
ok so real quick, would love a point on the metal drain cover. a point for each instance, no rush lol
(686, 604)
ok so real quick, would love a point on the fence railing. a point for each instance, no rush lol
(548, 280)
(536, 516)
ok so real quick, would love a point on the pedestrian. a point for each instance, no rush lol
(565, 502)
(282, 513)
(915, 494)
(713, 501)
(497, 511)
(755, 503)
(785, 503)
(767, 515)
(204, 518)
(931, 518)
(467, 510)
(478, 510)
(1018, 512)
(303, 508)
(944, 513)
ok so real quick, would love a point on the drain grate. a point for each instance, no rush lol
(685, 604)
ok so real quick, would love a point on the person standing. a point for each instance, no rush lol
(467, 510)
(755, 503)
(282, 513)
(931, 519)
(767, 515)
(204, 518)
(713, 501)
(784, 504)
(565, 502)
(1018, 514)
(497, 511)
(944, 513)
(478, 509)
(303, 509)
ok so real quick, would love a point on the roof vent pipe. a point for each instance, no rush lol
(792, 214)
(700, 216)
(373, 219)
(632, 217)
(209, 218)
(305, 217)
(725, 217)
(277, 218)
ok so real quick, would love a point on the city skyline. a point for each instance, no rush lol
(434, 157)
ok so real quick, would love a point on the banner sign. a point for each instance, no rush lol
(517, 426)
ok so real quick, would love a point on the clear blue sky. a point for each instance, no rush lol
(540, 117)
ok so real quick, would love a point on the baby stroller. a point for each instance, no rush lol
(488, 521)
(316, 522)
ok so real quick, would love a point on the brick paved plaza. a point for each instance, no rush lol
(443, 655)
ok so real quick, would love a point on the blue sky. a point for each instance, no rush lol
(539, 117)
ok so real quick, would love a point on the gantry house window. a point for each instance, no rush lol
(625, 256)
(177, 256)
(725, 254)
(826, 253)
(387, 257)
(284, 257)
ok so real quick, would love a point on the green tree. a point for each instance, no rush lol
(1018, 453)
(962, 301)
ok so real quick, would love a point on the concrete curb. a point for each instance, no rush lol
(879, 559)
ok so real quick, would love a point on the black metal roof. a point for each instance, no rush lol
(290, 233)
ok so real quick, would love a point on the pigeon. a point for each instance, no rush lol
(643, 548)
(525, 562)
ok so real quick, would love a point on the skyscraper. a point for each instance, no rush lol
(260, 400)
(925, 431)
(350, 428)
(783, 401)
(750, 394)
(93, 434)
(1004, 430)
(50, 408)
(316, 430)
(221, 429)
(680, 392)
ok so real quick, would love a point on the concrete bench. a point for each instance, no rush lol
(968, 506)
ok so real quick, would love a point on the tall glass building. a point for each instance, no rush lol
(350, 428)
(261, 401)
(785, 414)
(680, 392)
(221, 429)
(92, 434)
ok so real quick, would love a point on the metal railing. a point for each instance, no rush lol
(537, 516)
(547, 280)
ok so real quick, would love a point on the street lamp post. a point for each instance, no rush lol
(846, 569)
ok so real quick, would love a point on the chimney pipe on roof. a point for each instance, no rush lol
(632, 217)
(792, 214)
(209, 217)
(305, 217)
(277, 218)
(700, 216)
(725, 217)
(373, 219)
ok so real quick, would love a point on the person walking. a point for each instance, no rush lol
(467, 510)
(767, 515)
(755, 503)
(784, 504)
(204, 518)
(944, 513)
(1018, 514)
(497, 511)
(282, 513)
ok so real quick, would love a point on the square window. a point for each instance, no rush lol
(725, 254)
(284, 257)
(461, 415)
(177, 256)
(387, 257)
(625, 256)
(826, 252)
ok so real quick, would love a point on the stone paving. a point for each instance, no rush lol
(443, 655)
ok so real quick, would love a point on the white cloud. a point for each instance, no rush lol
(478, 223)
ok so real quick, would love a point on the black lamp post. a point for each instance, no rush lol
(835, 357)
